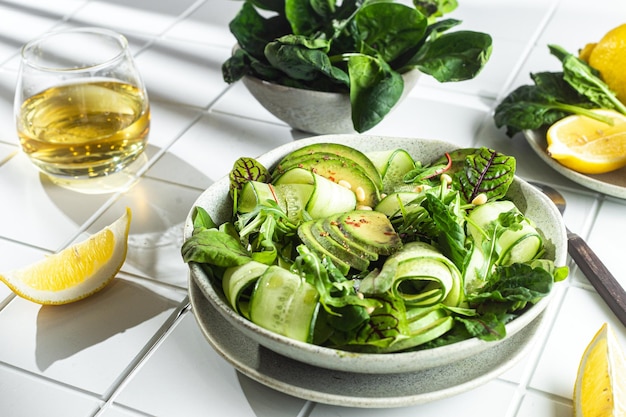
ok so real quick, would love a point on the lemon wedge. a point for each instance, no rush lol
(587, 145)
(77, 271)
(600, 389)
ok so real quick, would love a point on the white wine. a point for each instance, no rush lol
(85, 129)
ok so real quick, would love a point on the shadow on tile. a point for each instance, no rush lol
(63, 331)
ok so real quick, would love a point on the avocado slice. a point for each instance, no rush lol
(337, 170)
(371, 229)
(345, 253)
(306, 236)
(331, 227)
(338, 151)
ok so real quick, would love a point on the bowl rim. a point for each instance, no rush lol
(345, 360)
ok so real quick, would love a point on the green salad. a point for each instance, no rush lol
(375, 252)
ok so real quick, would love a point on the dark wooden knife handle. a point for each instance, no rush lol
(597, 273)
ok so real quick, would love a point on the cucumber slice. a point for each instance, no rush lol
(391, 205)
(237, 280)
(253, 193)
(327, 197)
(285, 303)
(294, 197)
(513, 246)
(399, 164)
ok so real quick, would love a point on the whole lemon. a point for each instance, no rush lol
(608, 56)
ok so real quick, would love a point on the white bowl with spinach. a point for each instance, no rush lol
(357, 49)
(419, 295)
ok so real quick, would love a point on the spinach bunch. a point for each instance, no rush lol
(357, 47)
(574, 90)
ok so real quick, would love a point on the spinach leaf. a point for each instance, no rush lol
(303, 59)
(306, 16)
(389, 30)
(374, 89)
(512, 287)
(555, 95)
(451, 236)
(273, 5)
(202, 219)
(213, 247)
(254, 31)
(485, 172)
(454, 56)
(586, 80)
(435, 8)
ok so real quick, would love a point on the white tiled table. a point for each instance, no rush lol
(134, 349)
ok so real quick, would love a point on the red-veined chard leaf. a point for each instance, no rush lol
(486, 172)
(247, 169)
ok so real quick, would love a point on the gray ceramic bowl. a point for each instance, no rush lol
(532, 202)
(312, 111)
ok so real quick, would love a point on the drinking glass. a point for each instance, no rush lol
(81, 107)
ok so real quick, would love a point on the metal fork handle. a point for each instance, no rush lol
(597, 273)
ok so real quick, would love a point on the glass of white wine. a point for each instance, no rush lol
(81, 107)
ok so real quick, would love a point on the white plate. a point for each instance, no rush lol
(612, 183)
(355, 389)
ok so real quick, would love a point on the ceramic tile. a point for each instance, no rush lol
(519, 22)
(6, 152)
(207, 24)
(186, 356)
(115, 411)
(143, 16)
(534, 405)
(159, 211)
(430, 119)
(201, 65)
(24, 395)
(495, 393)
(580, 317)
(19, 26)
(90, 336)
(238, 101)
(215, 142)
(168, 121)
(605, 225)
(32, 196)
(574, 23)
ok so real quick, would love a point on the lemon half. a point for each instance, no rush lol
(77, 271)
(587, 145)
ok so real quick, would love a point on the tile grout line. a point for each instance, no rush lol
(168, 327)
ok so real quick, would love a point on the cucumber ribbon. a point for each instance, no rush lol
(420, 275)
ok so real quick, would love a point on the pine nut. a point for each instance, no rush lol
(345, 184)
(360, 193)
